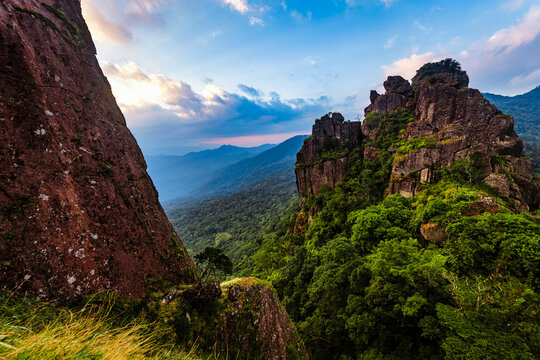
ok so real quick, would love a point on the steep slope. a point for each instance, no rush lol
(79, 213)
(176, 176)
(323, 158)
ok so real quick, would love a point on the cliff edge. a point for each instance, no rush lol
(78, 212)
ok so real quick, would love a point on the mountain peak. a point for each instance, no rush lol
(440, 121)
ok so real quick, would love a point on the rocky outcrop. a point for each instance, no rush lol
(78, 212)
(255, 324)
(399, 94)
(454, 126)
(452, 123)
(322, 160)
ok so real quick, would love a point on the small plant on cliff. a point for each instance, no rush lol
(212, 261)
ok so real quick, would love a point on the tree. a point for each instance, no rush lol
(444, 66)
(212, 261)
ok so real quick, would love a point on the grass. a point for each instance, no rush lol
(30, 329)
(415, 144)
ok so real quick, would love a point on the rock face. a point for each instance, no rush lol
(255, 323)
(322, 160)
(452, 122)
(458, 123)
(79, 213)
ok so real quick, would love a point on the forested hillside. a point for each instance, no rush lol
(238, 223)
(448, 271)
(525, 109)
(242, 205)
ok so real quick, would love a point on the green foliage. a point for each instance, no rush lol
(430, 69)
(239, 223)
(415, 144)
(363, 283)
(73, 29)
(212, 261)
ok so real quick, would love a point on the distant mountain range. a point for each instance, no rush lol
(177, 176)
(525, 109)
(241, 204)
(277, 160)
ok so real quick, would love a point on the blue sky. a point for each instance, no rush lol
(194, 74)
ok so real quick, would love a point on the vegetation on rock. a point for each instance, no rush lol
(362, 282)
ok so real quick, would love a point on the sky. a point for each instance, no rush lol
(196, 74)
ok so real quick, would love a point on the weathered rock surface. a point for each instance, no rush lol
(322, 160)
(79, 213)
(454, 122)
(464, 125)
(255, 323)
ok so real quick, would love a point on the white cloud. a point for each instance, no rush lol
(407, 67)
(301, 18)
(422, 27)
(390, 42)
(512, 5)
(531, 79)
(145, 8)
(387, 3)
(134, 89)
(523, 32)
(256, 21)
(103, 29)
(310, 60)
(239, 5)
(353, 3)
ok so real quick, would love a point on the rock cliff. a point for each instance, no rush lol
(323, 158)
(453, 125)
(78, 211)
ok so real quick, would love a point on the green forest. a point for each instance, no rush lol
(363, 282)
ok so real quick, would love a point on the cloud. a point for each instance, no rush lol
(238, 5)
(310, 60)
(250, 90)
(146, 8)
(422, 27)
(122, 17)
(103, 29)
(523, 32)
(504, 63)
(256, 21)
(407, 67)
(390, 42)
(301, 18)
(512, 5)
(163, 112)
(387, 2)
(354, 3)
(531, 79)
